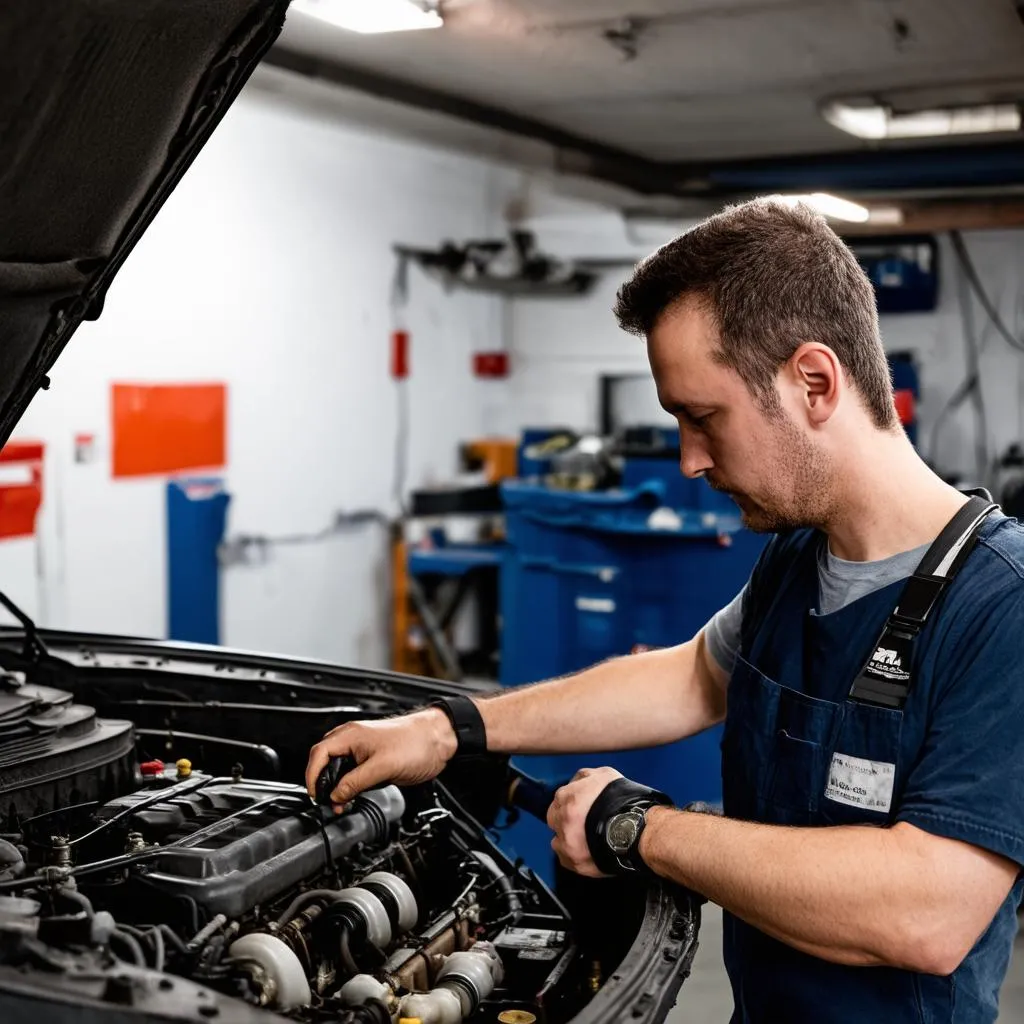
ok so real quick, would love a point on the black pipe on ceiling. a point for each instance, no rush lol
(574, 154)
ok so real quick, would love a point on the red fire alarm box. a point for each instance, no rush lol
(490, 364)
(21, 487)
(399, 354)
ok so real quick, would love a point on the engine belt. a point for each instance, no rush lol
(886, 679)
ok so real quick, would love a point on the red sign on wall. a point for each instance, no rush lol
(167, 428)
(905, 406)
(21, 487)
(490, 364)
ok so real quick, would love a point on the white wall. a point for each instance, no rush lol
(938, 340)
(559, 347)
(270, 268)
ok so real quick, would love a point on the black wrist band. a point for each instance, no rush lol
(618, 796)
(467, 723)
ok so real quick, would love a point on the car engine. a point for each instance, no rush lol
(183, 893)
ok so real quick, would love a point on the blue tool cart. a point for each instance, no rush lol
(591, 575)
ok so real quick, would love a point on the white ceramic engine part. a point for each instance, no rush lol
(362, 988)
(281, 966)
(439, 1006)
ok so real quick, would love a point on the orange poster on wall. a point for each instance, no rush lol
(166, 428)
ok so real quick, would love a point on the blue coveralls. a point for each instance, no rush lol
(957, 749)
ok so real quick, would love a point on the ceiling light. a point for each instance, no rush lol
(830, 206)
(869, 120)
(373, 16)
(885, 216)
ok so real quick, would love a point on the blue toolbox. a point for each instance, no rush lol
(588, 576)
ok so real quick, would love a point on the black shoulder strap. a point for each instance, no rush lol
(885, 680)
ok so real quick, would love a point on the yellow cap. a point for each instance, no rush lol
(517, 1017)
(184, 768)
(409, 1020)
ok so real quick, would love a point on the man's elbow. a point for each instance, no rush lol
(936, 948)
(941, 958)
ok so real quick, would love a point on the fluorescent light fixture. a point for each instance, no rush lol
(830, 206)
(885, 216)
(372, 16)
(869, 120)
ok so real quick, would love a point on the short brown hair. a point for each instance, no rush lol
(773, 276)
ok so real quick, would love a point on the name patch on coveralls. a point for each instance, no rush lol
(860, 783)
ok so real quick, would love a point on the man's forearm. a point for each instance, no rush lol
(853, 895)
(636, 701)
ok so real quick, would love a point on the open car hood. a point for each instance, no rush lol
(104, 104)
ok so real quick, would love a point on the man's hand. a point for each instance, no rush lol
(406, 750)
(568, 814)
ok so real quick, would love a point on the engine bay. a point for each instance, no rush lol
(393, 909)
(147, 875)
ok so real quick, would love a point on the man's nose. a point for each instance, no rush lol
(694, 460)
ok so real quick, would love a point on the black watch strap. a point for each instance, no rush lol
(467, 723)
(618, 796)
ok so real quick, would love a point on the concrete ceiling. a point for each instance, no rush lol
(671, 85)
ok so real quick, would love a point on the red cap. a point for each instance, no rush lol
(152, 767)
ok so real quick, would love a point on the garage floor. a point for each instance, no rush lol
(707, 999)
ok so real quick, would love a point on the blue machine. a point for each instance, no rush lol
(904, 271)
(586, 576)
(529, 463)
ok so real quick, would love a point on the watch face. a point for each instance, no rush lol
(622, 832)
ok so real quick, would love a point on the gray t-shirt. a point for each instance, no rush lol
(839, 583)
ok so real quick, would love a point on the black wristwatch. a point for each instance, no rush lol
(615, 823)
(622, 834)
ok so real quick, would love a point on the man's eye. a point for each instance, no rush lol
(700, 421)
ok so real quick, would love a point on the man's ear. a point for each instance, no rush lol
(816, 374)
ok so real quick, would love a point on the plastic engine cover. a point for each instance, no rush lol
(230, 845)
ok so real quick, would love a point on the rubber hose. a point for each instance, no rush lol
(159, 951)
(302, 899)
(347, 960)
(132, 944)
(504, 883)
(172, 936)
(77, 898)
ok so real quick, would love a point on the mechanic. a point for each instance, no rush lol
(869, 674)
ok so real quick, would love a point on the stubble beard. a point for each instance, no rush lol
(796, 494)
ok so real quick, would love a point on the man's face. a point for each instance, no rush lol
(765, 461)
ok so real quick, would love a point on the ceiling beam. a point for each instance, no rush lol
(573, 154)
(932, 217)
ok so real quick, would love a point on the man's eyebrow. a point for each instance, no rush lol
(687, 408)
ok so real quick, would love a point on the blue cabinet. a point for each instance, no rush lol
(586, 577)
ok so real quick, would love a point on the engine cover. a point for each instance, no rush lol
(229, 846)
